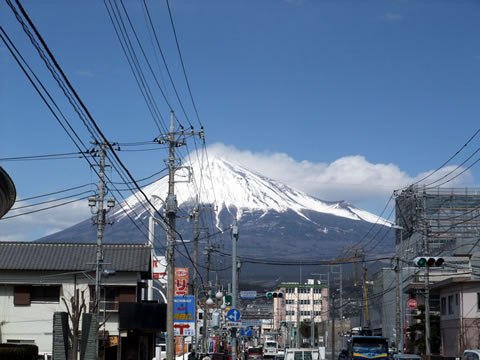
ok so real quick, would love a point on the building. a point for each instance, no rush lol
(459, 314)
(432, 221)
(38, 280)
(299, 303)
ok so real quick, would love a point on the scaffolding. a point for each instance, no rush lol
(450, 216)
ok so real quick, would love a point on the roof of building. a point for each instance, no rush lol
(451, 281)
(8, 193)
(72, 256)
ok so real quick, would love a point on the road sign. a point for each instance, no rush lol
(233, 324)
(233, 315)
(248, 295)
(412, 303)
(184, 329)
(246, 332)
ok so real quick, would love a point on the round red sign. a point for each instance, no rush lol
(412, 303)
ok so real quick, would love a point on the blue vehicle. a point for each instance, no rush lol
(367, 347)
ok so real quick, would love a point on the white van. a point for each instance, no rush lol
(270, 348)
(302, 354)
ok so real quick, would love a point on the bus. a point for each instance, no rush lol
(367, 347)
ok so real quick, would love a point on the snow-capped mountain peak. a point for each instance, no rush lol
(231, 186)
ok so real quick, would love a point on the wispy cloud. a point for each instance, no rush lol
(393, 16)
(36, 225)
(84, 73)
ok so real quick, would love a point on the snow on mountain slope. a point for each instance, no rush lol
(228, 185)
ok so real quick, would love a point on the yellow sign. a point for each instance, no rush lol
(183, 316)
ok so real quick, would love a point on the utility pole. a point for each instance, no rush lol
(98, 202)
(398, 333)
(171, 210)
(207, 250)
(426, 279)
(235, 235)
(100, 225)
(174, 139)
(195, 263)
(365, 290)
(196, 291)
(312, 318)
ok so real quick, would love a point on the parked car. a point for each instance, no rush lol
(471, 354)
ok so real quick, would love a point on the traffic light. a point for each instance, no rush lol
(422, 261)
(274, 294)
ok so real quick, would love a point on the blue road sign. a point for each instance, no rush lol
(246, 332)
(233, 315)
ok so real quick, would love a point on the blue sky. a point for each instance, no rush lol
(342, 99)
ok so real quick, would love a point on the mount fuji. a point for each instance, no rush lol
(276, 222)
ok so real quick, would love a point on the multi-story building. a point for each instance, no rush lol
(430, 222)
(299, 303)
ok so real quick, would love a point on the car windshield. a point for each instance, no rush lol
(303, 355)
(369, 347)
(271, 344)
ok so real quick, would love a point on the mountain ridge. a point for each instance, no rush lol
(275, 221)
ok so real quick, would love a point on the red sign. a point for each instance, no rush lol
(181, 281)
(412, 303)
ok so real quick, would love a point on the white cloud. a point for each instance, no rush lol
(352, 178)
(36, 225)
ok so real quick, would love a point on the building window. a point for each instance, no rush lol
(45, 294)
(478, 301)
(450, 304)
(456, 299)
(290, 290)
(318, 313)
(305, 313)
(317, 302)
(304, 290)
(443, 306)
(304, 302)
(317, 291)
(290, 313)
(25, 295)
(290, 302)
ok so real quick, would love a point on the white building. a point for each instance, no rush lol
(40, 279)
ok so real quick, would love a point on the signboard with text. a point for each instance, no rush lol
(183, 315)
(181, 282)
(159, 267)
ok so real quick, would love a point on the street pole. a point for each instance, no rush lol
(398, 333)
(207, 295)
(341, 298)
(171, 210)
(426, 280)
(195, 274)
(100, 225)
(235, 234)
(312, 318)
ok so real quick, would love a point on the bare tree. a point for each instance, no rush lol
(75, 309)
